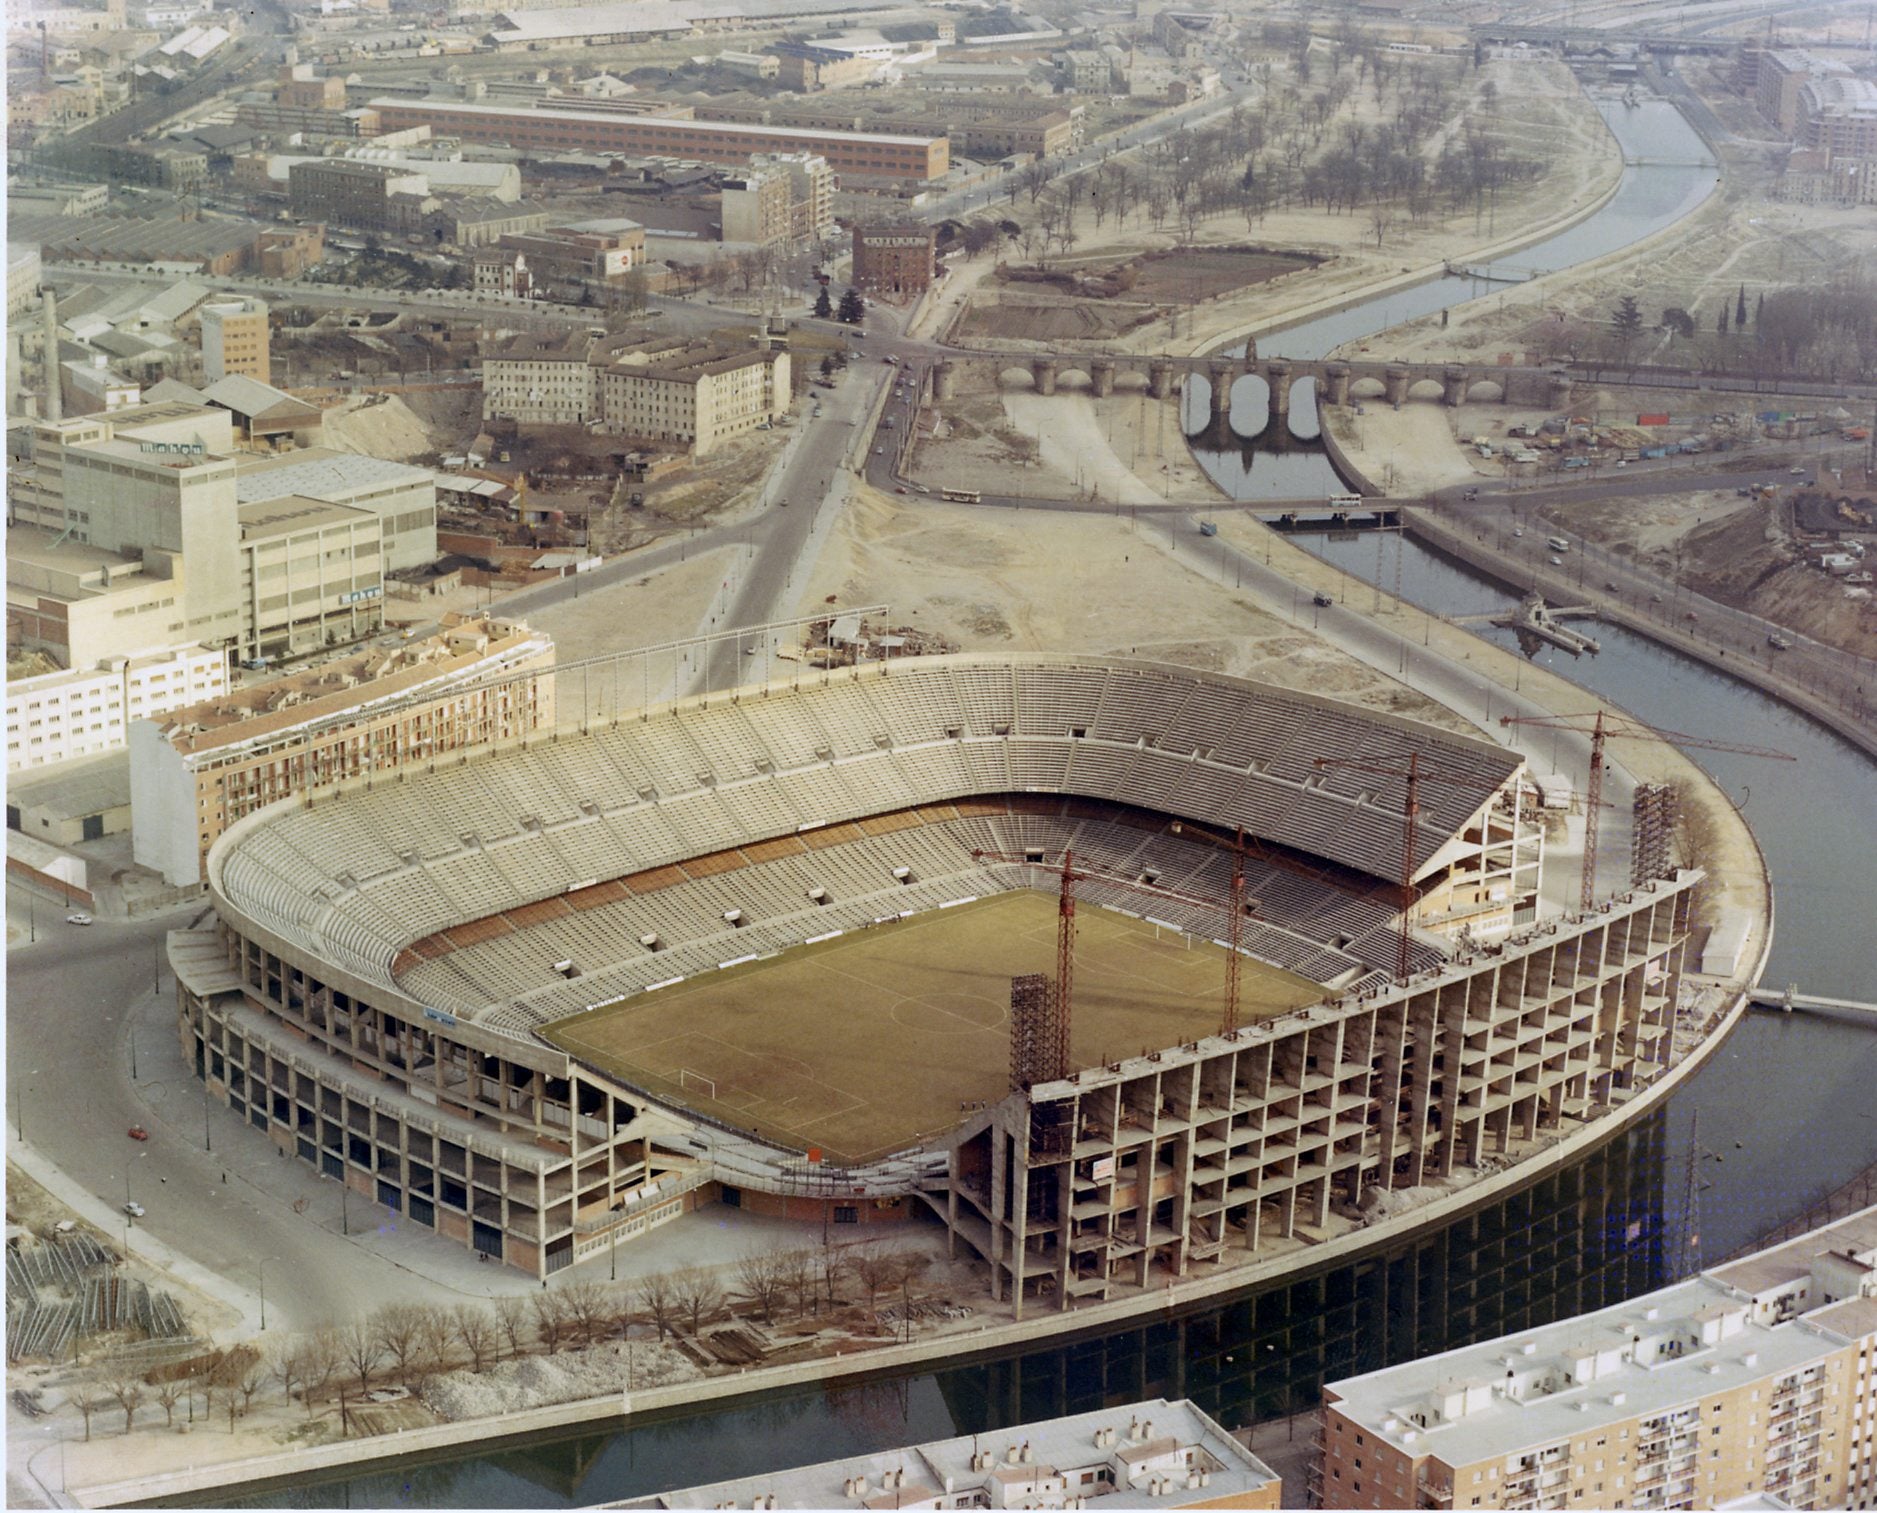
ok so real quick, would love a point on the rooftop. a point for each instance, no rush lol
(257, 711)
(292, 513)
(718, 128)
(1694, 1339)
(1146, 1455)
(1792, 1262)
(319, 473)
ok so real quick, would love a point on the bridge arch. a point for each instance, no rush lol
(1485, 391)
(1367, 388)
(1016, 376)
(1427, 388)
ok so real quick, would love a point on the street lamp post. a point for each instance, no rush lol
(261, 1268)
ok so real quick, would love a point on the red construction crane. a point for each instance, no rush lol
(1238, 848)
(1603, 725)
(1415, 774)
(1072, 873)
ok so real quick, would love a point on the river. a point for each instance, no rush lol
(1792, 1091)
(1649, 199)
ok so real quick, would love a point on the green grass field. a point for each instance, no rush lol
(865, 1044)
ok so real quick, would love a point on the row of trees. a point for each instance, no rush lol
(1830, 333)
(1281, 149)
(409, 1343)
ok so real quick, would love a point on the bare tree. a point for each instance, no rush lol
(1381, 220)
(319, 1362)
(876, 1269)
(359, 1348)
(833, 1263)
(168, 1394)
(589, 1310)
(126, 1387)
(436, 1331)
(286, 1365)
(249, 1382)
(762, 1280)
(511, 1317)
(699, 1295)
(659, 1299)
(397, 1327)
(476, 1332)
(550, 1320)
(798, 1275)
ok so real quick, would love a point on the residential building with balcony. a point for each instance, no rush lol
(1754, 1378)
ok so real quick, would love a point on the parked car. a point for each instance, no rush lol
(138, 1132)
(134, 1209)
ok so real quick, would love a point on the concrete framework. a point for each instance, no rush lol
(1336, 380)
(321, 1006)
(1127, 1176)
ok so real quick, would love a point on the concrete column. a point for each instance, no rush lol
(1101, 377)
(1223, 375)
(1455, 379)
(1338, 375)
(1277, 375)
(1396, 379)
(1043, 370)
(1561, 392)
(944, 380)
(1159, 378)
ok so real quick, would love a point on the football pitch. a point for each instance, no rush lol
(870, 1042)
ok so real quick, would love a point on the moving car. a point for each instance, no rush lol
(80, 918)
(134, 1209)
(1321, 599)
(138, 1132)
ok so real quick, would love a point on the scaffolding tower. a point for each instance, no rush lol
(1036, 1038)
(1655, 812)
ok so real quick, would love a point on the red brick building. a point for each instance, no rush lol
(893, 259)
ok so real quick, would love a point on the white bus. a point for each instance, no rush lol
(961, 496)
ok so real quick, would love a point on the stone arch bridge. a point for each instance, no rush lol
(1337, 380)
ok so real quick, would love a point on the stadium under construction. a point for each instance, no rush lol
(1118, 971)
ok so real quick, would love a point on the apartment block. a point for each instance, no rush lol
(785, 197)
(893, 259)
(235, 339)
(74, 714)
(200, 769)
(1780, 80)
(1753, 1379)
(688, 393)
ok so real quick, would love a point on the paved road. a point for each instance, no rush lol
(75, 1000)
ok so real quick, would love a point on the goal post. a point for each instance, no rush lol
(690, 1080)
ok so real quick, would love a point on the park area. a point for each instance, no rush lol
(868, 1043)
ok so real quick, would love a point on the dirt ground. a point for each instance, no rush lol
(647, 611)
(933, 992)
(1105, 299)
(1069, 443)
(1738, 551)
(1038, 581)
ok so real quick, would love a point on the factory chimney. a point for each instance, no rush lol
(54, 402)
